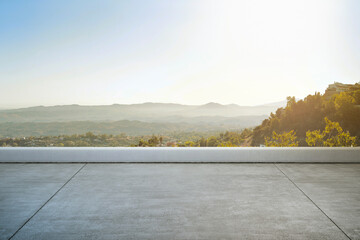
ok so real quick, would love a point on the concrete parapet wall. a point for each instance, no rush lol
(179, 155)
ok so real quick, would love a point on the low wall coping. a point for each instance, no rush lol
(179, 155)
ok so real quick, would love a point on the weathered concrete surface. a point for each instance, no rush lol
(334, 188)
(24, 188)
(179, 155)
(181, 201)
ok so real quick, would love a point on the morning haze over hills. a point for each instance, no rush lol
(142, 112)
(132, 119)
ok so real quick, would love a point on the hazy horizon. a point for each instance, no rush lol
(186, 52)
(90, 105)
(8, 107)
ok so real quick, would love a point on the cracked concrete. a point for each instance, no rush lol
(180, 201)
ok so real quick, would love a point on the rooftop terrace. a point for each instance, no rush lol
(121, 197)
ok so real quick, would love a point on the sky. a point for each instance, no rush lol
(183, 51)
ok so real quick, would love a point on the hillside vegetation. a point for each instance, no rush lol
(311, 114)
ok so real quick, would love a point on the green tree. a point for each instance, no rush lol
(153, 141)
(212, 142)
(344, 101)
(286, 139)
(143, 143)
(90, 135)
(332, 136)
(227, 144)
(202, 142)
(314, 138)
(191, 144)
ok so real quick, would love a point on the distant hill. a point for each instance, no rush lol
(147, 112)
(133, 119)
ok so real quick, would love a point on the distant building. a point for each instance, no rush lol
(337, 88)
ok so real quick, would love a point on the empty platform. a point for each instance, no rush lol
(179, 201)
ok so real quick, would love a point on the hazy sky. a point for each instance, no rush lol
(191, 52)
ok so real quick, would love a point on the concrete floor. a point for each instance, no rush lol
(180, 201)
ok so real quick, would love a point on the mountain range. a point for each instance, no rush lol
(148, 112)
(131, 119)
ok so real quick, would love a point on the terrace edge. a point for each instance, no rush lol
(179, 155)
